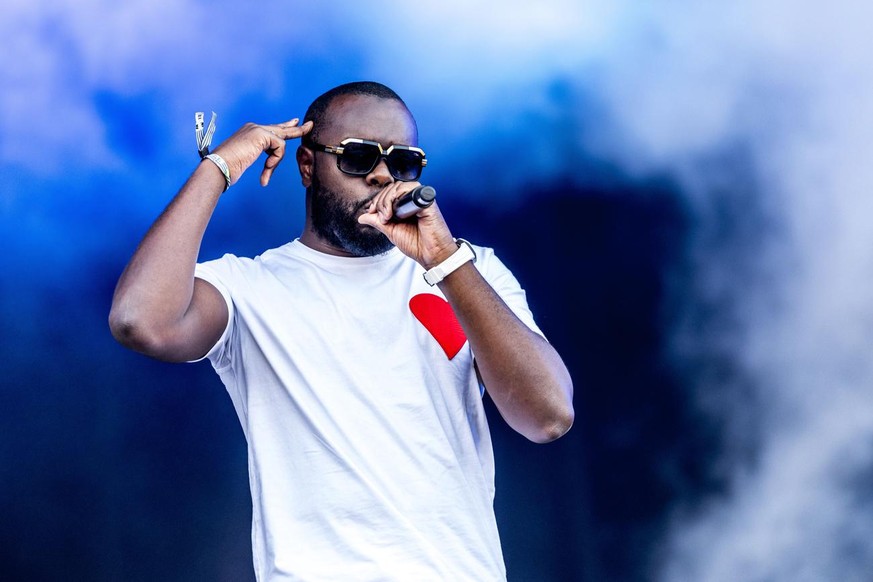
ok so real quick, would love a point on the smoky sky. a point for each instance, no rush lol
(731, 142)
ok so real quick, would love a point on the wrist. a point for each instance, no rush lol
(440, 255)
(463, 253)
(219, 163)
(207, 171)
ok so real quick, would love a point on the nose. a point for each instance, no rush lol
(380, 176)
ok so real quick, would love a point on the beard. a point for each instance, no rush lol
(335, 220)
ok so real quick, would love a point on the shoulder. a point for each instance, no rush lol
(232, 262)
(231, 271)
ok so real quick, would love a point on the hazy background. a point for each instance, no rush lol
(683, 188)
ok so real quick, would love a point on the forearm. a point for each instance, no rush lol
(156, 288)
(522, 372)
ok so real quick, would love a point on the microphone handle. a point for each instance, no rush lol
(413, 201)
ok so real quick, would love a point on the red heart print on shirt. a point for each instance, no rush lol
(437, 316)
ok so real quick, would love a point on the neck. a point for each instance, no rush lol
(315, 242)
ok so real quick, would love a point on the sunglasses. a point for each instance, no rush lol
(358, 157)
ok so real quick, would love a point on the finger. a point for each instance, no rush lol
(290, 129)
(372, 219)
(385, 205)
(381, 206)
(273, 141)
(266, 175)
(273, 158)
(284, 125)
(298, 131)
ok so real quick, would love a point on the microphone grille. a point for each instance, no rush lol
(427, 194)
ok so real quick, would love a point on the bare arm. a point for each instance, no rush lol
(524, 375)
(159, 308)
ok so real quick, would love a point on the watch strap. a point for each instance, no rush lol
(464, 253)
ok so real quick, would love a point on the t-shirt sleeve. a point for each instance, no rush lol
(217, 273)
(506, 286)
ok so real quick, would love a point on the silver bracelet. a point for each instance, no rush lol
(222, 165)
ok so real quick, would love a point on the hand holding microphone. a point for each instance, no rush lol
(413, 201)
(424, 238)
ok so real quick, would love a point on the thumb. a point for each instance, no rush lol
(372, 219)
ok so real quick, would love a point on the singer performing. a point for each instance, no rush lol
(348, 352)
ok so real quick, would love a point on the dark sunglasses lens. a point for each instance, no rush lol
(405, 164)
(359, 158)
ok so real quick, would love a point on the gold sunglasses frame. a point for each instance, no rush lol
(383, 154)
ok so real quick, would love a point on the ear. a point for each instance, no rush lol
(305, 163)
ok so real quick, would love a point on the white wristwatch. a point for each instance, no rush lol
(464, 253)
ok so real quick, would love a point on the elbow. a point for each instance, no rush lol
(557, 425)
(559, 418)
(134, 333)
(123, 328)
(127, 330)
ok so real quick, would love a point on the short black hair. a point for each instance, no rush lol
(316, 111)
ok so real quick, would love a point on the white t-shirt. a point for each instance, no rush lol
(369, 451)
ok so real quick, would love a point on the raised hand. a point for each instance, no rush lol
(242, 148)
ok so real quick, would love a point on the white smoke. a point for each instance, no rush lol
(793, 85)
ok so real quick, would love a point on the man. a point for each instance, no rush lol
(356, 380)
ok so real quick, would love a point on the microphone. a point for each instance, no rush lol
(416, 199)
